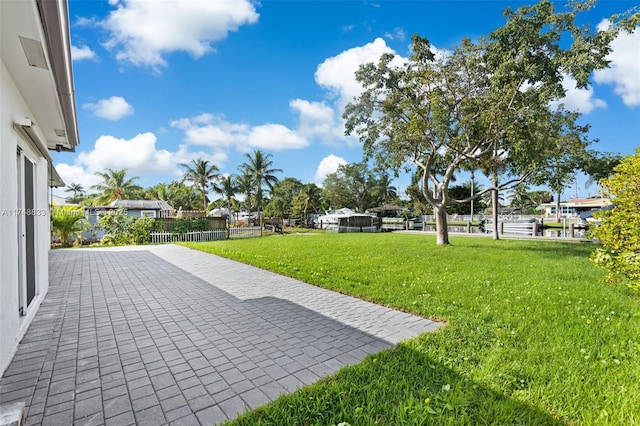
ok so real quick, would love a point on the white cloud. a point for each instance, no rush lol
(71, 173)
(397, 34)
(317, 119)
(215, 131)
(275, 137)
(337, 74)
(82, 52)
(142, 32)
(113, 108)
(624, 70)
(328, 165)
(139, 155)
(210, 130)
(580, 100)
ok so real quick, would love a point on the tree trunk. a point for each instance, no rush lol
(495, 207)
(494, 213)
(442, 232)
(558, 209)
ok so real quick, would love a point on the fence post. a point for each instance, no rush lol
(571, 230)
(534, 229)
(501, 228)
(468, 227)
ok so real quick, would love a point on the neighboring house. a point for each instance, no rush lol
(37, 114)
(138, 208)
(145, 208)
(573, 208)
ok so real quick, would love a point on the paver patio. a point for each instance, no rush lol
(167, 335)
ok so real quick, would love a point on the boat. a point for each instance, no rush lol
(346, 220)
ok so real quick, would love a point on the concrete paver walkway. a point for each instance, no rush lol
(166, 335)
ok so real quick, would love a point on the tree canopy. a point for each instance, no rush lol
(357, 187)
(484, 105)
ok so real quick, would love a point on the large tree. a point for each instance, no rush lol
(566, 151)
(354, 186)
(462, 191)
(115, 185)
(259, 167)
(282, 195)
(308, 200)
(202, 173)
(599, 165)
(486, 104)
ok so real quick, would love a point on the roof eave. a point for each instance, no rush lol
(55, 20)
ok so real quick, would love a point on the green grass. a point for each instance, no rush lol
(532, 337)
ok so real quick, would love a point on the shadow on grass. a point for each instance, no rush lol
(396, 387)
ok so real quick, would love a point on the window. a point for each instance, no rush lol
(148, 213)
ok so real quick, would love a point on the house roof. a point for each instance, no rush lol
(142, 205)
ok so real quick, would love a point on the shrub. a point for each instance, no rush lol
(183, 225)
(140, 230)
(619, 230)
(121, 229)
(115, 225)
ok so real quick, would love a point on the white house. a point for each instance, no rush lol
(573, 208)
(37, 114)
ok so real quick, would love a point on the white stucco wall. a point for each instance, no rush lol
(13, 326)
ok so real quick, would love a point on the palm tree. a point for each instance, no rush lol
(68, 221)
(245, 186)
(202, 173)
(115, 186)
(259, 168)
(312, 198)
(227, 187)
(77, 190)
(388, 191)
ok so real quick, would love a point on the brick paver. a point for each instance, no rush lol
(166, 335)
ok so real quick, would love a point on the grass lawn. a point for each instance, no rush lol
(532, 337)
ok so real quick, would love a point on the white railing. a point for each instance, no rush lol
(173, 237)
(521, 228)
(194, 236)
(393, 224)
(244, 231)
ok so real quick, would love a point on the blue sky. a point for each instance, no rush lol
(160, 83)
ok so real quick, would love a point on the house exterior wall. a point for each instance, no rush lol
(574, 207)
(13, 325)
